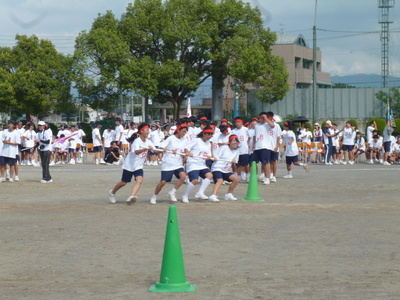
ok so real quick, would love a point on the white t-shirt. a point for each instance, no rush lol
(214, 143)
(375, 144)
(335, 139)
(11, 151)
(172, 161)
(224, 152)
(135, 162)
(45, 135)
(223, 138)
(369, 133)
(305, 136)
(291, 150)
(396, 148)
(190, 135)
(78, 137)
(172, 130)
(263, 135)
(61, 146)
(29, 138)
(108, 137)
(196, 131)
(348, 136)
(65, 132)
(277, 133)
(360, 143)
(198, 148)
(96, 140)
(1, 142)
(155, 137)
(72, 141)
(118, 130)
(244, 136)
(125, 136)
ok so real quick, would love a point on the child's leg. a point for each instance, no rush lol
(235, 180)
(217, 185)
(159, 187)
(118, 186)
(138, 184)
(181, 180)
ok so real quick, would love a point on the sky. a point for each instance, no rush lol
(350, 46)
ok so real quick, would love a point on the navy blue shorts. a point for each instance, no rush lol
(334, 149)
(28, 150)
(167, 175)
(274, 155)
(71, 150)
(291, 159)
(262, 155)
(127, 175)
(209, 163)
(244, 160)
(97, 149)
(195, 174)
(360, 151)
(386, 146)
(8, 160)
(347, 148)
(219, 175)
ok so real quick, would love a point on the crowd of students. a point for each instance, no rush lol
(220, 153)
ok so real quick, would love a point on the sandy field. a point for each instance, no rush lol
(333, 233)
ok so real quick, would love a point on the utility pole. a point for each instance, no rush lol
(384, 20)
(314, 79)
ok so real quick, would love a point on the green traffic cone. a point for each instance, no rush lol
(172, 278)
(252, 189)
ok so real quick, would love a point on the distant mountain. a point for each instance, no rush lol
(365, 80)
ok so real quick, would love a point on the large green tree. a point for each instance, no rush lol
(34, 77)
(166, 49)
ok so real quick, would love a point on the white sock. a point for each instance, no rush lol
(189, 189)
(173, 191)
(289, 172)
(204, 184)
(301, 164)
(154, 196)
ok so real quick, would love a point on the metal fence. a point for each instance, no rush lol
(354, 103)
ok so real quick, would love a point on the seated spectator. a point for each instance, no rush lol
(359, 145)
(375, 150)
(113, 154)
(395, 154)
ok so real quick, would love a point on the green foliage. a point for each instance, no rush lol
(354, 122)
(35, 78)
(88, 131)
(166, 49)
(394, 99)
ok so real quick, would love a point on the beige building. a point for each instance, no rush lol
(299, 61)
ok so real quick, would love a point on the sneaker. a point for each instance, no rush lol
(43, 181)
(131, 199)
(345, 163)
(227, 182)
(351, 162)
(29, 163)
(16, 178)
(201, 196)
(229, 196)
(11, 180)
(72, 162)
(22, 163)
(338, 162)
(102, 162)
(381, 161)
(153, 200)
(97, 162)
(306, 167)
(2, 179)
(272, 179)
(7, 174)
(266, 181)
(386, 163)
(248, 178)
(261, 177)
(288, 176)
(185, 199)
(172, 196)
(116, 163)
(111, 197)
(57, 163)
(213, 198)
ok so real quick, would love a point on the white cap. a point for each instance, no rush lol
(41, 123)
(329, 123)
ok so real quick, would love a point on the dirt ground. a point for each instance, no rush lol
(331, 234)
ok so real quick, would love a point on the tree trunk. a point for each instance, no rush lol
(217, 93)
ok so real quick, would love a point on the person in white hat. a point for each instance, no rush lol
(44, 138)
